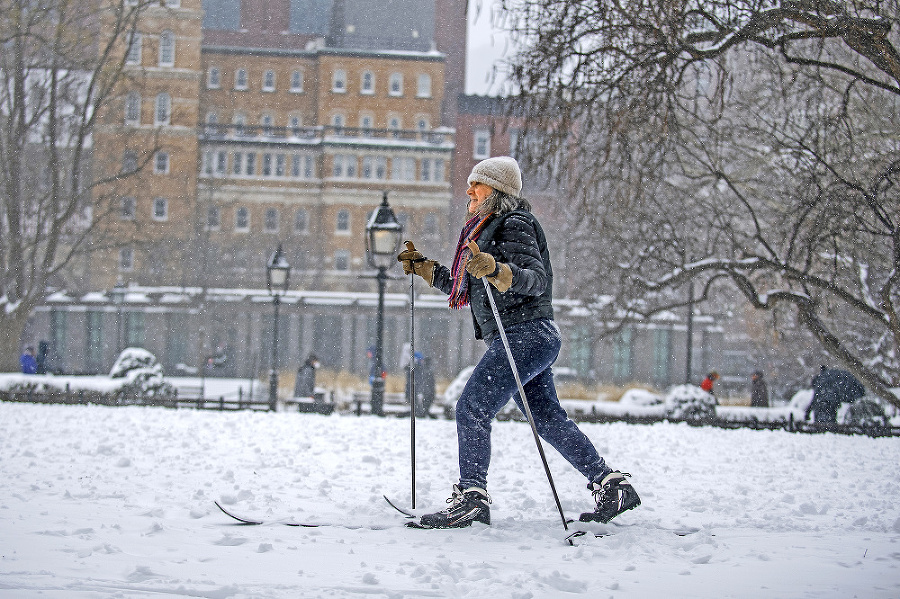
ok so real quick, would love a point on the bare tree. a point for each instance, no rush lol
(61, 66)
(745, 143)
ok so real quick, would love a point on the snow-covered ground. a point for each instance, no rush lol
(101, 502)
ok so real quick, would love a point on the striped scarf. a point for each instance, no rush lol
(459, 294)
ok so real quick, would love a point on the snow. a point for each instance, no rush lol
(104, 502)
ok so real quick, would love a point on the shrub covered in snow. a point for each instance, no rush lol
(689, 402)
(143, 374)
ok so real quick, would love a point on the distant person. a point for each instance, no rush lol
(423, 376)
(709, 381)
(43, 350)
(305, 385)
(28, 362)
(831, 388)
(425, 387)
(759, 391)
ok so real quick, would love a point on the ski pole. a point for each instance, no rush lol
(412, 377)
(473, 247)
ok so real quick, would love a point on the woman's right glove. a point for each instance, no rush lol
(414, 262)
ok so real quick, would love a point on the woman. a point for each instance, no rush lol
(513, 256)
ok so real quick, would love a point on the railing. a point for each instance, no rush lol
(395, 404)
(218, 132)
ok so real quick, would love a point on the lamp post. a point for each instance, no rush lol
(277, 273)
(117, 295)
(383, 234)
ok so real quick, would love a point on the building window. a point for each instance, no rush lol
(271, 221)
(422, 123)
(622, 356)
(134, 329)
(237, 163)
(267, 122)
(367, 83)
(160, 209)
(207, 166)
(342, 224)
(161, 163)
(662, 356)
(166, 49)
(163, 109)
(242, 219)
(240, 79)
(301, 221)
(213, 218)
(339, 81)
(342, 260)
(297, 82)
(395, 84)
(93, 349)
(482, 144)
(366, 122)
(173, 3)
(337, 121)
(295, 124)
(268, 81)
(221, 162)
(344, 166)
(403, 169)
(133, 109)
(240, 120)
(280, 165)
(423, 87)
(129, 208)
(212, 123)
(432, 170)
(251, 164)
(126, 259)
(302, 166)
(374, 167)
(134, 49)
(129, 162)
(213, 78)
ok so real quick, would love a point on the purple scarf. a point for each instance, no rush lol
(459, 294)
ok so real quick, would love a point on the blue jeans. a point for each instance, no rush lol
(535, 346)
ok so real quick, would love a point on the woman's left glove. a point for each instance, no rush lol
(482, 264)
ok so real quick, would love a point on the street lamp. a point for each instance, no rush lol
(277, 273)
(117, 295)
(383, 234)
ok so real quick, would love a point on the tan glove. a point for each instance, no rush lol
(414, 262)
(484, 265)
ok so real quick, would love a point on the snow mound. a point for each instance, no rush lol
(689, 402)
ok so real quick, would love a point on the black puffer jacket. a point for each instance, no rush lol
(517, 239)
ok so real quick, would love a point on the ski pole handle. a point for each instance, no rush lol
(473, 247)
(409, 246)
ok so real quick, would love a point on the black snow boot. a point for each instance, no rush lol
(613, 494)
(466, 506)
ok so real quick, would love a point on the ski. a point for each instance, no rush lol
(406, 513)
(288, 522)
(680, 532)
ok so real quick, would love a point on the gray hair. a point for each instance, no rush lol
(500, 203)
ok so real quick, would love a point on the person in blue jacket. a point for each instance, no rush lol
(28, 361)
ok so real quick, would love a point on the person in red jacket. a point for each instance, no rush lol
(709, 381)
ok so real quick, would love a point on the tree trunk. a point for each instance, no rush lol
(12, 326)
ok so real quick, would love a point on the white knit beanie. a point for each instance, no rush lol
(502, 173)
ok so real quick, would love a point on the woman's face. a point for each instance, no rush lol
(478, 193)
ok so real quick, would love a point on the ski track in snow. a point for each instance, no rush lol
(103, 502)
